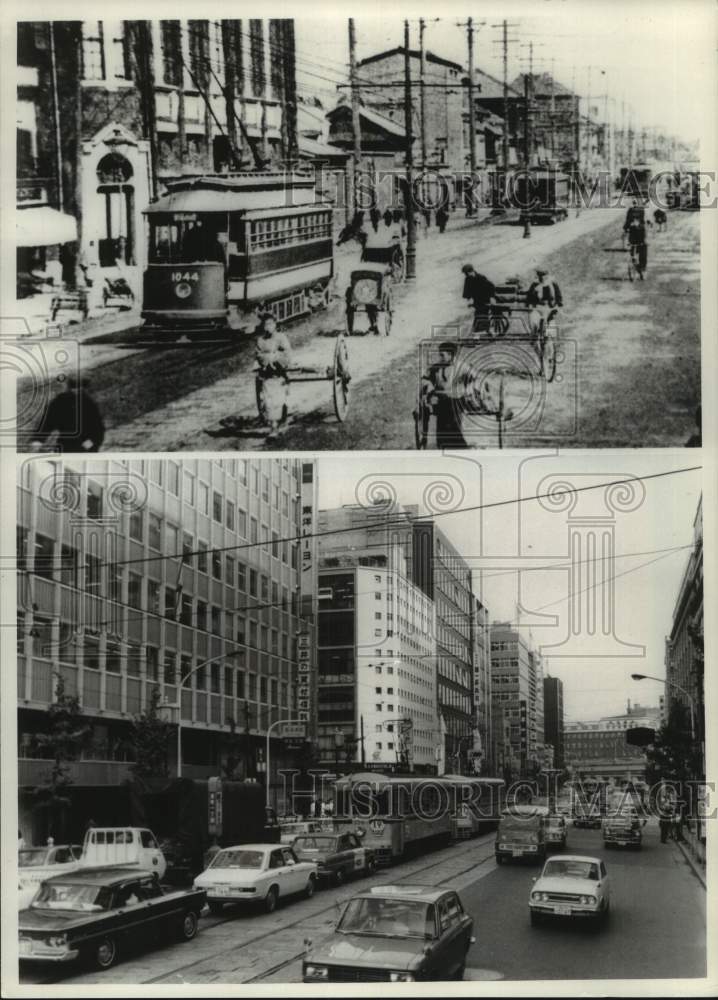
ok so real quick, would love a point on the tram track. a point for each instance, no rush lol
(472, 844)
(382, 877)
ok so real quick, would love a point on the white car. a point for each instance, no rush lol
(256, 873)
(35, 864)
(571, 885)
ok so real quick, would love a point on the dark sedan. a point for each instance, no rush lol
(395, 934)
(94, 914)
(338, 855)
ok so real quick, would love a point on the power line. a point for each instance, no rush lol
(399, 521)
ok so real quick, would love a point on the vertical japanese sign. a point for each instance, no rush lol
(306, 638)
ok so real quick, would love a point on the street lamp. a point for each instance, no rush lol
(664, 680)
(178, 703)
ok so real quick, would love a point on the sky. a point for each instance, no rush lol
(651, 545)
(656, 57)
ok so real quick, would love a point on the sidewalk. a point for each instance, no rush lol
(694, 851)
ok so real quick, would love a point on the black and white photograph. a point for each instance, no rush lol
(352, 721)
(362, 233)
(358, 441)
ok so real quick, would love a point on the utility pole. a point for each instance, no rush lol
(588, 123)
(361, 734)
(506, 96)
(552, 113)
(409, 180)
(422, 95)
(527, 152)
(472, 116)
(147, 96)
(356, 123)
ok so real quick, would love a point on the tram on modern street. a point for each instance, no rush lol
(224, 248)
(477, 803)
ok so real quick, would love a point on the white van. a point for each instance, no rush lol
(130, 847)
(126, 847)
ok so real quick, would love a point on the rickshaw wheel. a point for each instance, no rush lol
(387, 318)
(341, 380)
(259, 390)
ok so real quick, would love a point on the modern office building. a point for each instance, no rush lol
(376, 663)
(177, 575)
(416, 546)
(481, 645)
(517, 699)
(553, 726)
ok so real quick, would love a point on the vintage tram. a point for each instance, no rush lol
(223, 248)
(476, 803)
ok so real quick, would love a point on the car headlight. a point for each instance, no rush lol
(401, 977)
(588, 899)
(56, 941)
(536, 896)
(316, 971)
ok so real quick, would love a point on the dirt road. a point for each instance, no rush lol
(629, 371)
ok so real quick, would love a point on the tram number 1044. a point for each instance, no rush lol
(185, 276)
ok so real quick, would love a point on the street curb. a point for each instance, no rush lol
(697, 869)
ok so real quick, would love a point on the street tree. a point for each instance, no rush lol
(68, 733)
(150, 734)
(673, 756)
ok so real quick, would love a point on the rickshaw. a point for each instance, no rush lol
(370, 290)
(337, 373)
(391, 255)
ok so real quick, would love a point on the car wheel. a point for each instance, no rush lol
(536, 918)
(499, 859)
(270, 902)
(104, 955)
(370, 866)
(339, 877)
(310, 887)
(459, 975)
(215, 908)
(188, 926)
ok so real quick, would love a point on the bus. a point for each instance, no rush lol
(224, 248)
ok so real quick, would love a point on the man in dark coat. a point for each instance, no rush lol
(75, 417)
(482, 293)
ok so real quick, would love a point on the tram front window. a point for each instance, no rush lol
(187, 242)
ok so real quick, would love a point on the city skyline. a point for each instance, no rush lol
(661, 533)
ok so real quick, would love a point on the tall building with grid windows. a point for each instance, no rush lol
(134, 575)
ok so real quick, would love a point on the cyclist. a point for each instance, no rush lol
(634, 228)
(273, 359)
(544, 299)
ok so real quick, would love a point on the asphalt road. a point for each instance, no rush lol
(656, 930)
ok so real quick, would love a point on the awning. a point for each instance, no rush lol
(42, 226)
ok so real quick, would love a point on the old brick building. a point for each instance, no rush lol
(108, 110)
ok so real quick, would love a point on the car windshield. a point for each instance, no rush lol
(400, 918)
(33, 858)
(571, 869)
(238, 859)
(69, 896)
(314, 844)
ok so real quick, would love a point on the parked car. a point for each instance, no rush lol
(337, 855)
(571, 886)
(256, 873)
(394, 934)
(555, 831)
(94, 914)
(35, 864)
